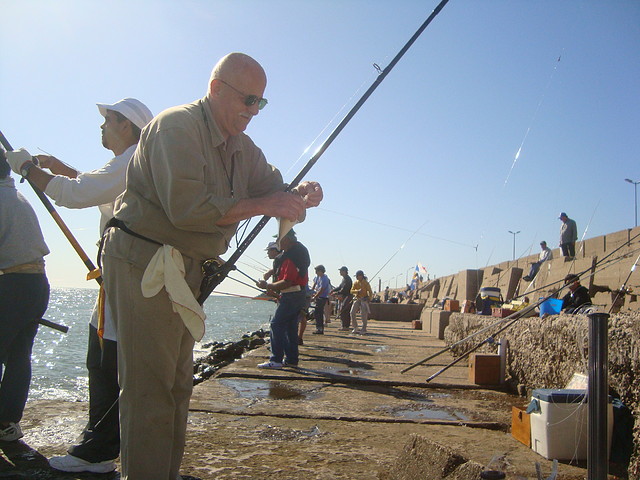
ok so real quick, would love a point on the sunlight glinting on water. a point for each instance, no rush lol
(58, 360)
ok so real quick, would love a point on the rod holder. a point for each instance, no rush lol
(598, 397)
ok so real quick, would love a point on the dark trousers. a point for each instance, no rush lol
(345, 311)
(100, 439)
(284, 328)
(318, 313)
(568, 249)
(23, 300)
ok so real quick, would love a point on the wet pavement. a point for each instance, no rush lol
(346, 413)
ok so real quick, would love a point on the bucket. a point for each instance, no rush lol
(551, 306)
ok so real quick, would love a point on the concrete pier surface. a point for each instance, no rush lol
(347, 413)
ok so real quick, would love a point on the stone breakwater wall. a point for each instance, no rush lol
(545, 353)
(607, 259)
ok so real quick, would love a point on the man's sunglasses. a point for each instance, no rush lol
(249, 100)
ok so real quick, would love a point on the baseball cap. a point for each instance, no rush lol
(343, 268)
(133, 110)
(272, 245)
(562, 214)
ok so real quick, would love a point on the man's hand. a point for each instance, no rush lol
(311, 193)
(17, 159)
(56, 166)
(284, 204)
(262, 284)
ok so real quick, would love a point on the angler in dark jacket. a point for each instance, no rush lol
(577, 296)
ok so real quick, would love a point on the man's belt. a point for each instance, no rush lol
(33, 267)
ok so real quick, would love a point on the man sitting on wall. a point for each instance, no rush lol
(545, 255)
(578, 295)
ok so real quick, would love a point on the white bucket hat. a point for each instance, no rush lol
(133, 110)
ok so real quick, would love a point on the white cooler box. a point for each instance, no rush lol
(559, 423)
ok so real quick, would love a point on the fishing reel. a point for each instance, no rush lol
(214, 271)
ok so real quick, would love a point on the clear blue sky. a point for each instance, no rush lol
(431, 152)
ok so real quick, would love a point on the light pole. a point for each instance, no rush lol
(397, 277)
(406, 278)
(514, 242)
(635, 196)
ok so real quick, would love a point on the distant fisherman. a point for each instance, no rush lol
(195, 175)
(291, 280)
(362, 295)
(24, 295)
(99, 443)
(568, 236)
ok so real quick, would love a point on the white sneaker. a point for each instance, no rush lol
(11, 433)
(355, 330)
(69, 463)
(276, 365)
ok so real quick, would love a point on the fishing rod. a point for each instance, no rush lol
(491, 338)
(598, 263)
(397, 251)
(623, 288)
(268, 299)
(215, 271)
(514, 317)
(55, 326)
(94, 273)
(520, 313)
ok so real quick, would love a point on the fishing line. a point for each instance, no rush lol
(519, 314)
(268, 299)
(246, 284)
(214, 271)
(329, 123)
(623, 289)
(396, 227)
(544, 92)
(398, 251)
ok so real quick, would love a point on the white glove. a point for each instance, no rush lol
(17, 159)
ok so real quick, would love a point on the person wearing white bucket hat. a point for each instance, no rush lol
(123, 121)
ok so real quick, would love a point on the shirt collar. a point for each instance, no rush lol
(232, 143)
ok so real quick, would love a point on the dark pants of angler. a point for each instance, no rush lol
(284, 328)
(101, 442)
(535, 268)
(568, 249)
(345, 311)
(318, 313)
(23, 300)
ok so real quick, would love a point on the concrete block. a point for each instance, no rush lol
(468, 284)
(439, 321)
(401, 312)
(422, 458)
(593, 246)
(615, 240)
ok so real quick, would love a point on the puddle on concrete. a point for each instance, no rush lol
(271, 432)
(264, 389)
(343, 370)
(379, 348)
(420, 412)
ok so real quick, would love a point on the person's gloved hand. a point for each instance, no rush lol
(17, 159)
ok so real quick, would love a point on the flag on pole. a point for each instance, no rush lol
(418, 274)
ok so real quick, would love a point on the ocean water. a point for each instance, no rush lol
(58, 360)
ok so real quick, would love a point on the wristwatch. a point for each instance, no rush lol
(24, 170)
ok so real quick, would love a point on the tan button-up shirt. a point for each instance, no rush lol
(181, 178)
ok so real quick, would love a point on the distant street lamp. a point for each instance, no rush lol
(514, 242)
(635, 195)
(397, 277)
(407, 275)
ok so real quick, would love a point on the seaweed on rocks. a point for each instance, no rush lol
(224, 353)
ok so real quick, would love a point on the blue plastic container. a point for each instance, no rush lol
(552, 306)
